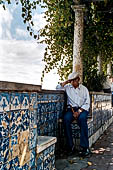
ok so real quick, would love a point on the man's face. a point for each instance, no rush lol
(75, 82)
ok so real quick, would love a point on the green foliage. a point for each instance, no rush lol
(98, 41)
(58, 35)
(59, 31)
(95, 81)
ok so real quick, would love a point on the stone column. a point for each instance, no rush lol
(109, 69)
(99, 64)
(78, 38)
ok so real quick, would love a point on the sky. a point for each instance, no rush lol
(20, 55)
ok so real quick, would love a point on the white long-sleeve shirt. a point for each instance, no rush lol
(78, 97)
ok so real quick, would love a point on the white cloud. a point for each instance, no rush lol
(5, 19)
(21, 32)
(39, 21)
(20, 60)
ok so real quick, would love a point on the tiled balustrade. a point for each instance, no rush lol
(99, 119)
(18, 130)
(20, 120)
(50, 106)
(27, 112)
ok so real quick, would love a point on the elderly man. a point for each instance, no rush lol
(78, 103)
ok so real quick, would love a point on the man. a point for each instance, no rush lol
(78, 103)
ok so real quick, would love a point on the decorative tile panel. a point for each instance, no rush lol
(15, 122)
(12, 165)
(33, 138)
(13, 147)
(33, 118)
(4, 124)
(4, 101)
(25, 101)
(5, 149)
(24, 152)
(32, 162)
(46, 159)
(15, 101)
(1, 152)
(25, 119)
(33, 100)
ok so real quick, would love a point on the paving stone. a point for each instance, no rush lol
(61, 164)
(101, 158)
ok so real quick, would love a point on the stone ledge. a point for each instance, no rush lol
(13, 86)
(44, 142)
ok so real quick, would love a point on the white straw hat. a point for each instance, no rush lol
(73, 75)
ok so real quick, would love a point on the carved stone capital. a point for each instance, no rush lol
(78, 8)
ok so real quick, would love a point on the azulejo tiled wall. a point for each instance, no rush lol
(50, 107)
(18, 129)
(25, 114)
(99, 119)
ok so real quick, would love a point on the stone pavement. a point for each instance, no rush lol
(101, 158)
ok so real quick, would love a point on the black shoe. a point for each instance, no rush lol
(72, 151)
(85, 153)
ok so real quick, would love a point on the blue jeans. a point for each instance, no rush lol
(82, 122)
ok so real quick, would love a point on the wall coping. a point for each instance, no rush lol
(13, 86)
(44, 142)
(100, 93)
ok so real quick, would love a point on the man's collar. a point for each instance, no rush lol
(77, 87)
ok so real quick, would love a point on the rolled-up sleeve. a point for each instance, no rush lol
(86, 104)
(59, 87)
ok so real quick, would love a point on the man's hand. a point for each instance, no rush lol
(65, 82)
(76, 114)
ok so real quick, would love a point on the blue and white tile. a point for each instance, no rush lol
(40, 166)
(15, 122)
(32, 162)
(33, 138)
(5, 149)
(14, 150)
(46, 153)
(42, 108)
(4, 124)
(47, 164)
(4, 102)
(15, 101)
(53, 162)
(2, 167)
(24, 100)
(39, 97)
(25, 167)
(33, 100)
(40, 159)
(1, 152)
(25, 119)
(13, 164)
(33, 118)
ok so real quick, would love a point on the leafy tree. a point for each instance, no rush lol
(98, 40)
(58, 35)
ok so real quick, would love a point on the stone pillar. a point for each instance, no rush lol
(99, 64)
(78, 38)
(109, 69)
